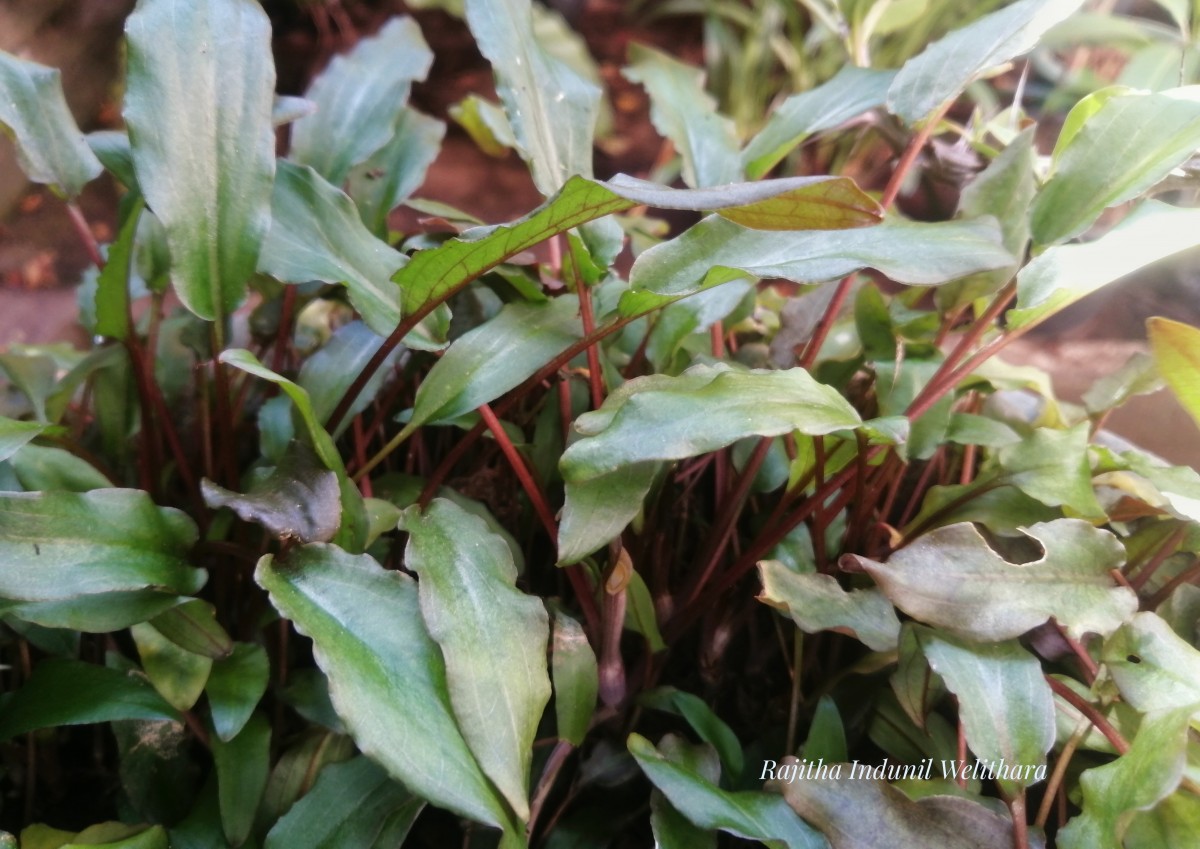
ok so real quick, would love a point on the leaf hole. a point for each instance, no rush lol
(1133, 658)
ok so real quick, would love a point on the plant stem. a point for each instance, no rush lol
(1139, 581)
(517, 463)
(554, 764)
(1089, 710)
(79, 222)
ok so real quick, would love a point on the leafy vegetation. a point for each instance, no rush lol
(344, 536)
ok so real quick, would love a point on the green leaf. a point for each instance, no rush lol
(908, 252)
(492, 636)
(495, 357)
(659, 417)
(154, 837)
(386, 675)
(15, 434)
(56, 546)
(866, 813)
(576, 680)
(551, 108)
(397, 169)
(677, 321)
(752, 815)
(297, 500)
(671, 829)
(328, 373)
(39, 467)
(816, 202)
(1004, 702)
(193, 626)
(1052, 466)
(317, 234)
(359, 98)
(50, 148)
(1153, 667)
(682, 111)
(851, 92)
(198, 107)
(1143, 776)
(242, 764)
(826, 735)
(818, 603)
(708, 726)
(69, 692)
(177, 674)
(1065, 273)
(94, 613)
(234, 688)
(1176, 349)
(351, 805)
(1149, 134)
(354, 520)
(299, 767)
(952, 579)
(1172, 824)
(112, 286)
(946, 67)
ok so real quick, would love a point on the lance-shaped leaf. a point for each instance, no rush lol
(178, 674)
(359, 98)
(397, 169)
(317, 234)
(1066, 273)
(235, 685)
(495, 357)
(683, 112)
(908, 252)
(1176, 348)
(752, 815)
(1172, 824)
(328, 373)
(386, 675)
(671, 829)
(659, 417)
(1148, 134)
(112, 285)
(819, 203)
(866, 813)
(492, 636)
(952, 579)
(352, 804)
(69, 692)
(576, 679)
(193, 626)
(50, 148)
(851, 92)
(298, 499)
(1052, 466)
(1004, 702)
(14, 435)
(551, 108)
(1141, 777)
(242, 765)
(56, 546)
(818, 603)
(946, 67)
(1154, 668)
(198, 106)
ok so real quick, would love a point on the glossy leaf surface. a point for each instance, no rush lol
(818, 603)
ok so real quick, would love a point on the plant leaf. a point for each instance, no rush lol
(1004, 702)
(1143, 776)
(386, 675)
(1065, 273)
(598, 509)
(817, 202)
(1153, 667)
(851, 92)
(1172, 824)
(397, 169)
(946, 67)
(198, 107)
(351, 805)
(576, 679)
(112, 285)
(908, 252)
(50, 148)
(16, 434)
(70, 692)
(235, 685)
(178, 674)
(671, 829)
(1176, 349)
(952, 579)
(242, 765)
(708, 726)
(359, 98)
(1149, 134)
(682, 111)
(551, 108)
(1052, 466)
(866, 813)
(493, 639)
(56, 546)
(818, 603)
(193, 626)
(298, 499)
(317, 234)
(752, 815)
(495, 357)
(328, 373)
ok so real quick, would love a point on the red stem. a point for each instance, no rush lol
(517, 463)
